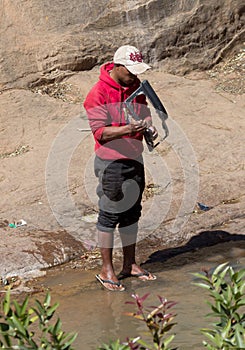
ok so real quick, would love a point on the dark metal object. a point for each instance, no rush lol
(146, 89)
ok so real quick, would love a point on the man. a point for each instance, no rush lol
(118, 161)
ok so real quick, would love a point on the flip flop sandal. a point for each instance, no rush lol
(144, 273)
(120, 288)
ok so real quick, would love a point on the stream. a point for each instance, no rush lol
(98, 315)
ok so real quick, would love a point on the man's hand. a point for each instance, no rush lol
(115, 132)
(137, 127)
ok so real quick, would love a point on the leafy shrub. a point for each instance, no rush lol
(17, 331)
(226, 288)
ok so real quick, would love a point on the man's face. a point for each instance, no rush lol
(124, 77)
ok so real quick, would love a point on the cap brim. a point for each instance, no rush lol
(138, 68)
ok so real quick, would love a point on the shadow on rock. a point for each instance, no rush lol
(196, 246)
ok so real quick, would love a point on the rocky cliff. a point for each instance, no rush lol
(44, 41)
(47, 52)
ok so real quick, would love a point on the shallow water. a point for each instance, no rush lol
(98, 315)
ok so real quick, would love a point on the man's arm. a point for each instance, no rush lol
(115, 132)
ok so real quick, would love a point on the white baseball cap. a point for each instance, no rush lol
(131, 58)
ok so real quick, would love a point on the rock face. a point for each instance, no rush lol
(44, 41)
(47, 52)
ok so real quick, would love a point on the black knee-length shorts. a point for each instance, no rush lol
(120, 189)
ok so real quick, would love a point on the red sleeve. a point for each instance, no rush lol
(96, 112)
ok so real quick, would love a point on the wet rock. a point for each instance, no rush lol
(37, 250)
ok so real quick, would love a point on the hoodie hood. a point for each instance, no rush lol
(105, 75)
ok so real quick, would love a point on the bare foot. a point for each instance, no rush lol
(110, 284)
(137, 271)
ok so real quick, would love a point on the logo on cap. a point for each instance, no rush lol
(136, 56)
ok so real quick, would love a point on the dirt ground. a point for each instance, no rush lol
(46, 176)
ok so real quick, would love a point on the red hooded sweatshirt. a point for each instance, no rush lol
(104, 107)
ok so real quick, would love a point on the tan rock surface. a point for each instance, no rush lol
(46, 160)
(212, 122)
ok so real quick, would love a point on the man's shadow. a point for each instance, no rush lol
(195, 246)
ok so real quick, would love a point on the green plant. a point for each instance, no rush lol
(17, 331)
(158, 321)
(226, 288)
(115, 345)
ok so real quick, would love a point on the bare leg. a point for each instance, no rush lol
(129, 263)
(105, 240)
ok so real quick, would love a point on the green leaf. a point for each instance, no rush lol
(143, 343)
(51, 310)
(40, 308)
(223, 273)
(6, 303)
(219, 268)
(240, 339)
(17, 308)
(209, 336)
(57, 326)
(168, 340)
(226, 329)
(205, 286)
(201, 276)
(33, 319)
(18, 324)
(47, 300)
(38, 315)
(70, 341)
(114, 346)
(217, 296)
(24, 305)
(238, 276)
